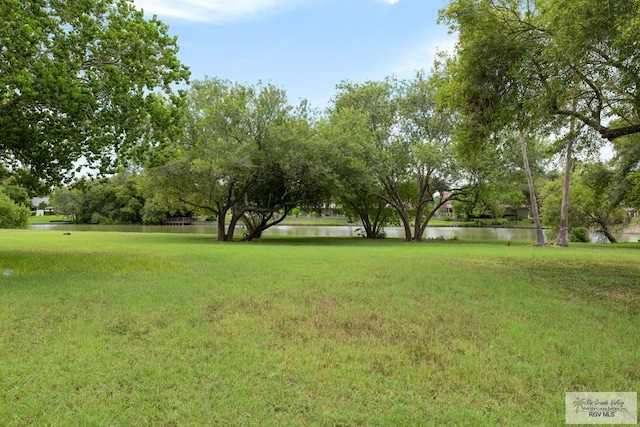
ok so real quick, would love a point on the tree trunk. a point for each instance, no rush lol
(368, 228)
(222, 236)
(563, 232)
(606, 231)
(425, 223)
(259, 227)
(406, 223)
(255, 228)
(235, 217)
(608, 235)
(376, 226)
(418, 230)
(532, 194)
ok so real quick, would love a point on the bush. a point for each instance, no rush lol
(579, 234)
(13, 215)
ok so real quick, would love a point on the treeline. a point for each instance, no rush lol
(385, 152)
(515, 115)
(121, 199)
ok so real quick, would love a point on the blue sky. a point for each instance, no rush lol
(304, 46)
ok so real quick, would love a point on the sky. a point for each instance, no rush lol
(306, 47)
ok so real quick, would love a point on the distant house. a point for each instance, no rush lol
(330, 210)
(37, 201)
(446, 210)
(518, 212)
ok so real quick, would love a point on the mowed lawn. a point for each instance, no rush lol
(173, 329)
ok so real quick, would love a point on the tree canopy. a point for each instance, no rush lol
(245, 152)
(91, 79)
(406, 143)
(572, 58)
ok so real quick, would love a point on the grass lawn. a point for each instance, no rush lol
(102, 328)
(44, 219)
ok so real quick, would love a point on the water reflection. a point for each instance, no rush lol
(462, 233)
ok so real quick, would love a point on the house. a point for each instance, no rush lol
(37, 201)
(521, 211)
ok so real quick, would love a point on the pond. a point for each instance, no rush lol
(462, 233)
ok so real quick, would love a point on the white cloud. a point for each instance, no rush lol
(212, 10)
(391, 1)
(422, 55)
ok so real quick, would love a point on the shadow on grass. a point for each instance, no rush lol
(615, 284)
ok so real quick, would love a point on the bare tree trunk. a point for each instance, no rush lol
(563, 232)
(406, 223)
(609, 235)
(222, 236)
(532, 194)
(418, 230)
(604, 224)
(235, 217)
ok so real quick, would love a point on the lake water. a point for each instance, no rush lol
(462, 233)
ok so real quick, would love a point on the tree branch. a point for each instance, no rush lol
(12, 103)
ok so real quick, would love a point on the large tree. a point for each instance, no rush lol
(574, 59)
(92, 80)
(581, 56)
(246, 155)
(488, 84)
(114, 200)
(409, 146)
(348, 152)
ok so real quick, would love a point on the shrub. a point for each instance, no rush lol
(11, 214)
(579, 234)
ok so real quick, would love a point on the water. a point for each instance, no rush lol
(462, 233)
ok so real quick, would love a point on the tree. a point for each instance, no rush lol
(288, 168)
(15, 205)
(66, 201)
(348, 153)
(245, 153)
(88, 80)
(581, 55)
(208, 168)
(13, 215)
(413, 160)
(489, 83)
(115, 200)
(495, 180)
(592, 200)
(589, 65)
(627, 171)
(16, 192)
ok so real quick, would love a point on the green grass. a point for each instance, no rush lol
(171, 329)
(45, 219)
